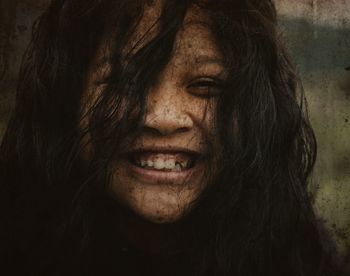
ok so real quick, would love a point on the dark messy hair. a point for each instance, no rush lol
(256, 218)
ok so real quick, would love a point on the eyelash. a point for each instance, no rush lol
(206, 87)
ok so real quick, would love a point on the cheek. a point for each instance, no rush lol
(202, 112)
(89, 104)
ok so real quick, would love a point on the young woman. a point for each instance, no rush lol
(159, 138)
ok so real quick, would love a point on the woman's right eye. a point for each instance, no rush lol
(206, 87)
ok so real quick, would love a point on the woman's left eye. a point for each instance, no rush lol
(101, 81)
(206, 87)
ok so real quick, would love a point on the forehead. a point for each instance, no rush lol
(194, 37)
(193, 43)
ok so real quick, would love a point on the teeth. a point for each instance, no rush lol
(159, 164)
(170, 164)
(165, 162)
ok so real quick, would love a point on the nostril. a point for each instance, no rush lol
(182, 129)
(163, 132)
(151, 130)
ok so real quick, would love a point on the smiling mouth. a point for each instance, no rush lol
(164, 161)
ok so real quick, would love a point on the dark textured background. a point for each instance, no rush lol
(317, 33)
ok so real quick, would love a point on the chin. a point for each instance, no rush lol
(161, 216)
(156, 203)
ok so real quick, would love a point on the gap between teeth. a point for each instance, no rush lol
(163, 164)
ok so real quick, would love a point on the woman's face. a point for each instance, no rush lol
(164, 170)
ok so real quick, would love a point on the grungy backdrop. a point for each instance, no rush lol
(317, 33)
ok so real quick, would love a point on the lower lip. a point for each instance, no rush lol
(164, 177)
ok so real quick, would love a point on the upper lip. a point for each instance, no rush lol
(164, 150)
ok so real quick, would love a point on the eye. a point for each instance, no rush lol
(101, 82)
(206, 87)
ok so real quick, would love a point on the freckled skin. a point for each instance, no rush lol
(178, 117)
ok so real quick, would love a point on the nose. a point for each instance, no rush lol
(166, 112)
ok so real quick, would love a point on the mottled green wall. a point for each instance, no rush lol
(318, 35)
(322, 52)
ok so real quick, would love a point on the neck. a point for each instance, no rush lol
(150, 238)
